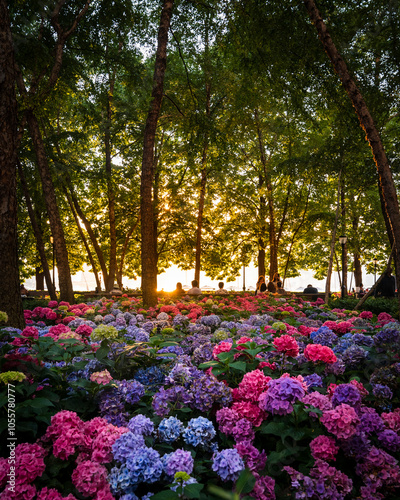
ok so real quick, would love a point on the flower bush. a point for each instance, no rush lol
(250, 396)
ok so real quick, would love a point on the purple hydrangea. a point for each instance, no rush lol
(141, 424)
(313, 380)
(382, 391)
(346, 393)
(212, 321)
(178, 461)
(389, 440)
(253, 458)
(176, 396)
(132, 390)
(207, 391)
(354, 355)
(228, 464)
(371, 423)
(126, 445)
(324, 336)
(243, 430)
(282, 393)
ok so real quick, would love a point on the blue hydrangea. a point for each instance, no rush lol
(180, 374)
(170, 429)
(140, 424)
(145, 466)
(108, 318)
(119, 479)
(151, 377)
(126, 445)
(313, 380)
(199, 432)
(228, 464)
(354, 355)
(132, 390)
(171, 349)
(324, 336)
(136, 334)
(180, 320)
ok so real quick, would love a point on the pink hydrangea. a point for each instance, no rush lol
(30, 331)
(89, 477)
(104, 377)
(359, 386)
(392, 419)
(250, 411)
(343, 327)
(252, 385)
(384, 318)
(103, 442)
(242, 340)
(287, 344)
(51, 315)
(104, 493)
(318, 352)
(366, 315)
(84, 330)
(52, 304)
(22, 491)
(264, 488)
(317, 400)
(52, 494)
(221, 347)
(341, 421)
(66, 432)
(324, 447)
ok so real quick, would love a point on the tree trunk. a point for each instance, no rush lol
(90, 232)
(200, 215)
(64, 274)
(83, 238)
(38, 236)
(39, 279)
(273, 251)
(10, 294)
(367, 123)
(343, 218)
(148, 252)
(357, 270)
(112, 268)
(330, 265)
(261, 258)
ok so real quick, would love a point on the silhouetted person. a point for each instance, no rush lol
(195, 290)
(261, 286)
(310, 289)
(178, 292)
(221, 290)
(387, 285)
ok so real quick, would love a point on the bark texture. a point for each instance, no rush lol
(10, 295)
(367, 123)
(148, 252)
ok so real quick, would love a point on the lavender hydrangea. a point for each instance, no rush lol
(207, 391)
(228, 464)
(178, 461)
(313, 380)
(176, 396)
(151, 377)
(140, 424)
(354, 355)
(382, 391)
(170, 430)
(126, 445)
(389, 440)
(212, 321)
(145, 466)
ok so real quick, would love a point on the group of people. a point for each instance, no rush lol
(273, 286)
(195, 290)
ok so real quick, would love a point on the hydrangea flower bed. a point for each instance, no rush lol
(222, 398)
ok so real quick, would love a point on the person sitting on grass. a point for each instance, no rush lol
(178, 292)
(387, 286)
(310, 289)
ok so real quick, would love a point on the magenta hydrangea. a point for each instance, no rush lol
(324, 447)
(341, 421)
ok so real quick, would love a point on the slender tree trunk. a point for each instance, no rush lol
(261, 258)
(200, 215)
(85, 243)
(90, 232)
(10, 295)
(123, 252)
(112, 268)
(357, 270)
(38, 235)
(343, 218)
(64, 274)
(367, 123)
(148, 252)
(273, 251)
(330, 265)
